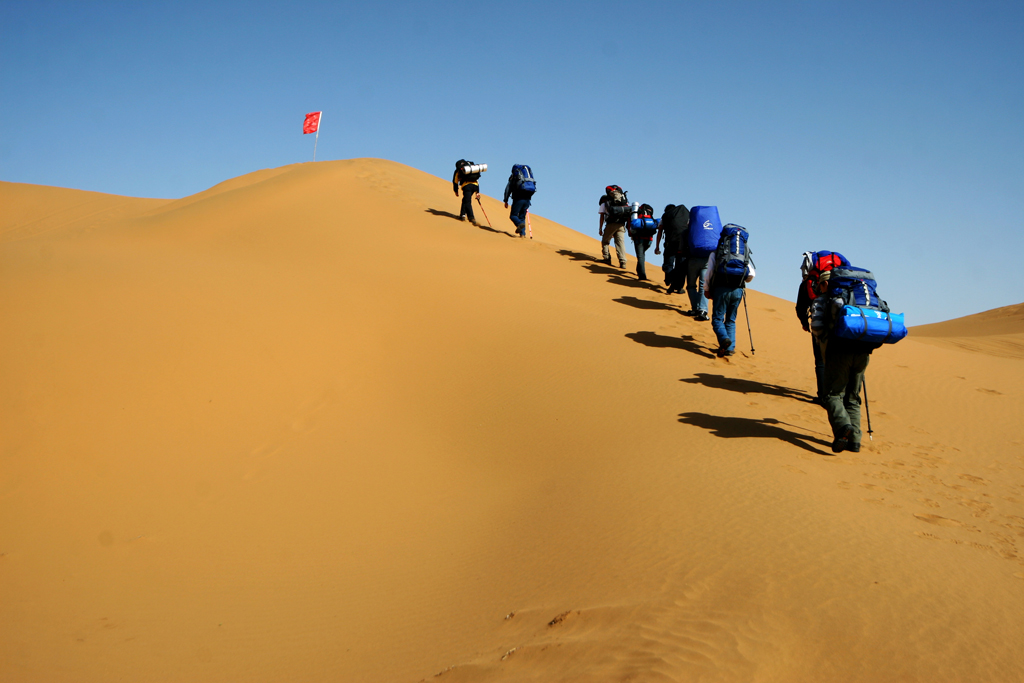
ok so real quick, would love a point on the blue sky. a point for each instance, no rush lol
(892, 132)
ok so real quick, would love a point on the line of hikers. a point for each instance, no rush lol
(837, 302)
(520, 188)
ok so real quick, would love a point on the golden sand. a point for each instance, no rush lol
(258, 435)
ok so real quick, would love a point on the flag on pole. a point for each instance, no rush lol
(312, 123)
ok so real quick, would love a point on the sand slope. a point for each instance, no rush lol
(235, 444)
(999, 332)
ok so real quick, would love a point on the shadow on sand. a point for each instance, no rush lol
(482, 226)
(661, 341)
(746, 428)
(747, 386)
(646, 305)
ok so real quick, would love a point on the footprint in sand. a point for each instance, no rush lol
(990, 391)
(876, 488)
(943, 521)
(972, 478)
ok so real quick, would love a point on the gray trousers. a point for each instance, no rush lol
(844, 374)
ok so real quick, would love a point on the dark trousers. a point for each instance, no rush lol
(641, 245)
(844, 374)
(518, 214)
(467, 201)
(818, 346)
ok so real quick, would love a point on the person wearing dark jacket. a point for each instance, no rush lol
(804, 296)
(674, 222)
(469, 184)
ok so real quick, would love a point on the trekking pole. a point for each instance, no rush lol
(745, 310)
(484, 210)
(867, 410)
(528, 226)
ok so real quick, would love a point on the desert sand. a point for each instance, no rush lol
(257, 434)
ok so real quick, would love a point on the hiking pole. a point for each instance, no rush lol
(867, 410)
(745, 310)
(528, 226)
(484, 210)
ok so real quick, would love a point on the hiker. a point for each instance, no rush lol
(674, 222)
(613, 213)
(641, 230)
(520, 187)
(811, 268)
(703, 231)
(729, 269)
(469, 183)
(848, 313)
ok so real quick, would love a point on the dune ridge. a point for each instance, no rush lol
(235, 444)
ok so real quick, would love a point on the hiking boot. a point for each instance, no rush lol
(463, 218)
(853, 447)
(622, 265)
(690, 313)
(607, 261)
(702, 316)
(842, 442)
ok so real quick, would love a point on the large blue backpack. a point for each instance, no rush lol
(523, 176)
(643, 227)
(732, 257)
(857, 311)
(705, 229)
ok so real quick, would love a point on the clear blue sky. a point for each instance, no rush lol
(892, 132)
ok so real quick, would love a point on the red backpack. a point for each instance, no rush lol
(818, 262)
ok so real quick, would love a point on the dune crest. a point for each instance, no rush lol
(262, 434)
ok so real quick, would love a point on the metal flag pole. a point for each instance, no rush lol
(317, 138)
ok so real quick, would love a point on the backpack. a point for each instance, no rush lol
(674, 222)
(732, 257)
(817, 262)
(616, 205)
(855, 311)
(705, 228)
(522, 177)
(644, 226)
(462, 165)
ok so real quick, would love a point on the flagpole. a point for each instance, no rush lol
(317, 138)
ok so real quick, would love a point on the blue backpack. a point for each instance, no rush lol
(857, 311)
(643, 227)
(705, 229)
(523, 176)
(732, 258)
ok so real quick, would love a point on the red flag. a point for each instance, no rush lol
(312, 122)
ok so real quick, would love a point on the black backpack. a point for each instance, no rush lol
(462, 164)
(616, 205)
(675, 222)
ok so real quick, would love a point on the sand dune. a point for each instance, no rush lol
(237, 444)
(999, 332)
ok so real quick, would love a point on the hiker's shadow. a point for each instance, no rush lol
(746, 428)
(446, 214)
(577, 255)
(661, 341)
(646, 304)
(599, 267)
(747, 386)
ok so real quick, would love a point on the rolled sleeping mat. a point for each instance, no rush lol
(474, 168)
